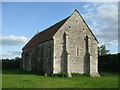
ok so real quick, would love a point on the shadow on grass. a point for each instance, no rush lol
(18, 71)
(108, 74)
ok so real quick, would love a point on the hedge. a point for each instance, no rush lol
(108, 63)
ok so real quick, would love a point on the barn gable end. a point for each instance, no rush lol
(68, 46)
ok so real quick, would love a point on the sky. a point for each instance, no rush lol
(22, 20)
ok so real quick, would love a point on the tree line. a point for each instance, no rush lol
(11, 63)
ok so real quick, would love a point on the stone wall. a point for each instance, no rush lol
(78, 60)
(40, 59)
(47, 56)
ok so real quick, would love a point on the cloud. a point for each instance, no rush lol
(111, 43)
(87, 15)
(103, 20)
(5, 55)
(10, 54)
(15, 52)
(13, 40)
(86, 6)
(88, 11)
(107, 16)
(105, 12)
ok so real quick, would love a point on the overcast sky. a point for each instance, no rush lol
(20, 21)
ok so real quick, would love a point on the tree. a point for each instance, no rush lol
(103, 51)
(17, 59)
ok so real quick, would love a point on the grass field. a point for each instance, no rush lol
(19, 79)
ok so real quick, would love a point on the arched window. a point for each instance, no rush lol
(86, 44)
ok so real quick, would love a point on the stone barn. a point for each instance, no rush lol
(68, 46)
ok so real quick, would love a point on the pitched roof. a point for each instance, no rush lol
(48, 34)
(43, 36)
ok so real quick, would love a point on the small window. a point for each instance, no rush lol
(77, 51)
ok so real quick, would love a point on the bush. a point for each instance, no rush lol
(66, 74)
(60, 75)
(78, 74)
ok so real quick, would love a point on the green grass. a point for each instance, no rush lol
(19, 79)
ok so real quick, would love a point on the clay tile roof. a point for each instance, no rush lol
(43, 36)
